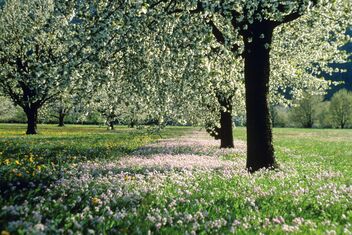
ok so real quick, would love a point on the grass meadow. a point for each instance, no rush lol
(87, 180)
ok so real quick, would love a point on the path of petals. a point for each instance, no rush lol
(197, 150)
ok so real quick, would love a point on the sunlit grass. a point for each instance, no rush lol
(76, 179)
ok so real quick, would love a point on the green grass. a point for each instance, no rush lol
(331, 148)
(42, 158)
(55, 145)
(78, 188)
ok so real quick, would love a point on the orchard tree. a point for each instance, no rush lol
(117, 98)
(298, 68)
(33, 47)
(189, 82)
(220, 18)
(46, 45)
(341, 108)
(62, 109)
(60, 106)
(116, 104)
(228, 89)
(253, 24)
(300, 75)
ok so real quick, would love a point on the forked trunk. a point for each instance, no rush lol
(260, 151)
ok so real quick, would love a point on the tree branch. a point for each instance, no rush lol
(220, 36)
(292, 16)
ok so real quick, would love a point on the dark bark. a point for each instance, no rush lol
(61, 119)
(213, 130)
(260, 151)
(310, 118)
(32, 116)
(131, 124)
(342, 125)
(308, 124)
(111, 125)
(224, 133)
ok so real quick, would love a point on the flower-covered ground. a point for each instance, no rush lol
(86, 180)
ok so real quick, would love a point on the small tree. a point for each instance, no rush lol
(279, 117)
(323, 115)
(60, 107)
(341, 108)
(305, 111)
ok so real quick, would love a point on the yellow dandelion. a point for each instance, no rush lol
(7, 161)
(17, 162)
(19, 174)
(95, 201)
(4, 232)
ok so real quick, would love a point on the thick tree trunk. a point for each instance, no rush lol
(61, 119)
(260, 151)
(32, 115)
(226, 135)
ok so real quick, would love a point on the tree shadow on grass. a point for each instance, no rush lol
(151, 150)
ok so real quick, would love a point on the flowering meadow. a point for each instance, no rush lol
(87, 180)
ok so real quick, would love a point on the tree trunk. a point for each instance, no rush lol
(32, 115)
(61, 119)
(310, 121)
(132, 124)
(342, 125)
(224, 132)
(309, 124)
(226, 135)
(260, 151)
(111, 124)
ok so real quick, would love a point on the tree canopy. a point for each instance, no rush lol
(192, 61)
